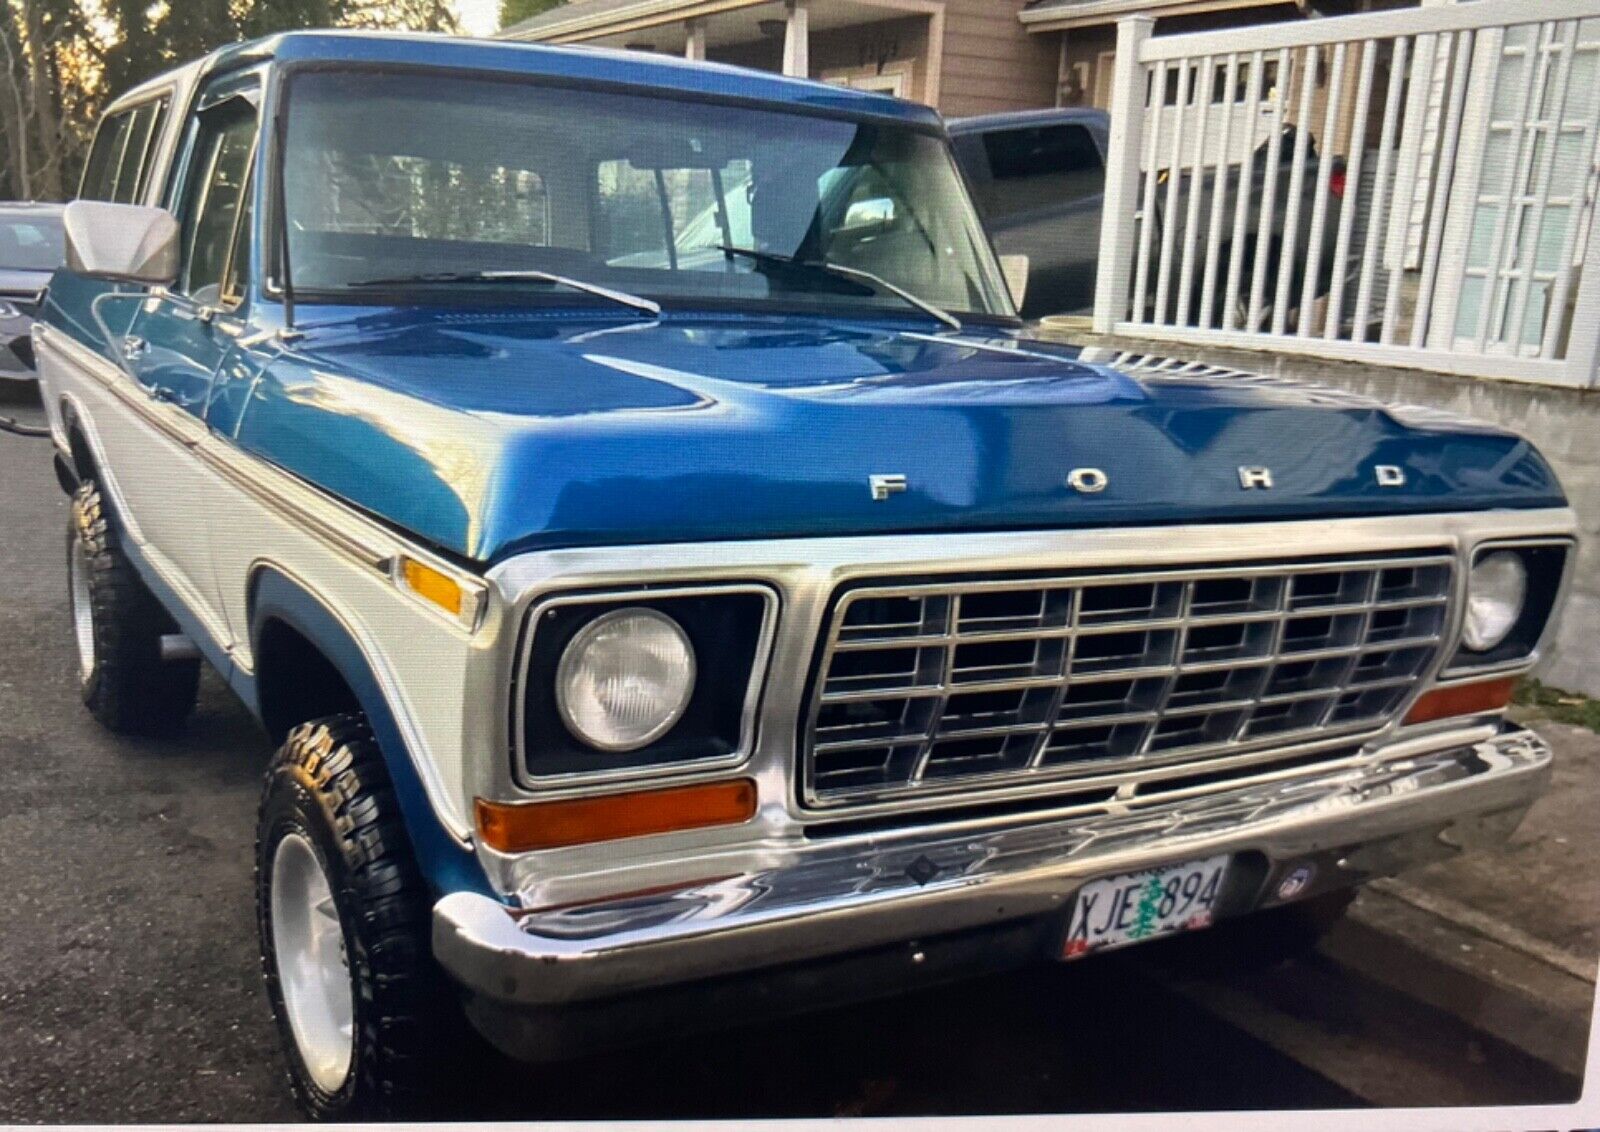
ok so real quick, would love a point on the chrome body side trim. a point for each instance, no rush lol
(823, 897)
(340, 526)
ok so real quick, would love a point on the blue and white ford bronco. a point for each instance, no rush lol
(681, 588)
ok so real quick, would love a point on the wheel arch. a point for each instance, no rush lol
(80, 453)
(291, 624)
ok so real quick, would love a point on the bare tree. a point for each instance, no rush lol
(62, 60)
(50, 60)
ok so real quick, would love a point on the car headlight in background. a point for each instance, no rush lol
(619, 686)
(625, 679)
(1496, 593)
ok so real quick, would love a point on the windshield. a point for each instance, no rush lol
(389, 176)
(30, 243)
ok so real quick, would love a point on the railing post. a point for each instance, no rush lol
(1118, 216)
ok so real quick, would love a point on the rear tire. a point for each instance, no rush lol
(370, 1025)
(118, 625)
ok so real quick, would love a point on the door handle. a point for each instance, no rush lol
(134, 347)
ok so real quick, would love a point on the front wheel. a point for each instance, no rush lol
(368, 1022)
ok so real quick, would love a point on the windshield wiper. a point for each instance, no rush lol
(637, 302)
(921, 304)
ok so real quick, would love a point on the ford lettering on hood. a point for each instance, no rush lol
(495, 432)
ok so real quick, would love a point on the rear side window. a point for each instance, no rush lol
(122, 159)
(138, 162)
(214, 195)
(100, 175)
(1038, 167)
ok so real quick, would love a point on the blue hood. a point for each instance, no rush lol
(489, 433)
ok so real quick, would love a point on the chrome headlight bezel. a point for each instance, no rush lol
(728, 627)
(1547, 565)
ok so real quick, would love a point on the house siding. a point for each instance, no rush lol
(991, 63)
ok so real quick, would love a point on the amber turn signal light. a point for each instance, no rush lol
(1462, 699)
(523, 826)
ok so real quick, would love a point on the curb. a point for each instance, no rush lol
(1488, 975)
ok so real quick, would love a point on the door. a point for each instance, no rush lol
(180, 337)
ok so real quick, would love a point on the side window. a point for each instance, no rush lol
(214, 195)
(233, 274)
(123, 157)
(1039, 167)
(139, 162)
(100, 174)
(125, 183)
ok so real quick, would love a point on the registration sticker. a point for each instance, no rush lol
(1134, 907)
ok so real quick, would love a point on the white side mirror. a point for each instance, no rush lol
(121, 243)
(1015, 269)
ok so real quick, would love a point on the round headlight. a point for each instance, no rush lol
(1495, 593)
(625, 679)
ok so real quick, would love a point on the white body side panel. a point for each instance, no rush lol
(255, 516)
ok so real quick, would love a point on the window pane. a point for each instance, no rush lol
(399, 194)
(239, 255)
(99, 177)
(30, 243)
(124, 187)
(1039, 168)
(158, 120)
(387, 179)
(634, 225)
(212, 195)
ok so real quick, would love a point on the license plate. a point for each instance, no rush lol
(1134, 907)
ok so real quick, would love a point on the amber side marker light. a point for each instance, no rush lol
(1462, 699)
(431, 585)
(522, 826)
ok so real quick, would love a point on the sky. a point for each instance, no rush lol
(478, 17)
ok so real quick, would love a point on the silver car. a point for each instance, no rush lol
(30, 251)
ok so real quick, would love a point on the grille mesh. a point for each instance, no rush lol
(932, 688)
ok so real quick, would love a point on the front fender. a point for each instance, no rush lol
(446, 863)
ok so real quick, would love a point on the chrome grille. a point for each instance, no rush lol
(925, 689)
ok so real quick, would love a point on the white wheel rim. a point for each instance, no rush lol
(313, 974)
(82, 608)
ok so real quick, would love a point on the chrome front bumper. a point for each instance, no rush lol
(829, 897)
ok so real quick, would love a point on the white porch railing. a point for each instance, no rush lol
(1433, 205)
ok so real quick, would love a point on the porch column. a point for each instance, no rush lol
(694, 48)
(797, 40)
